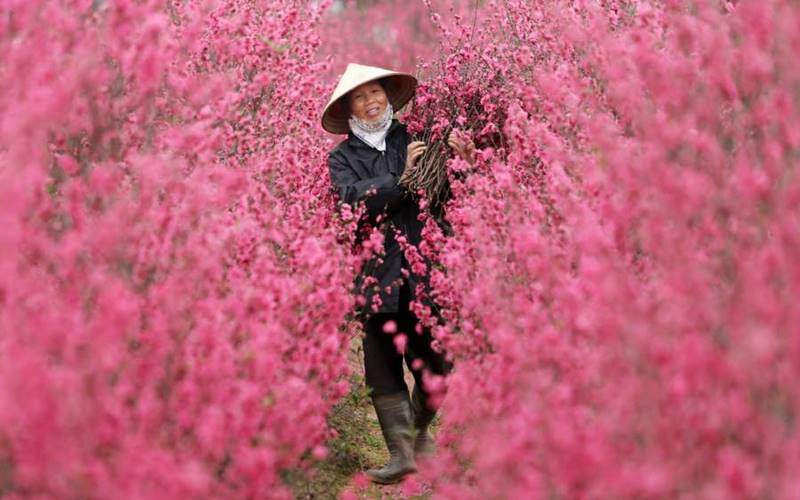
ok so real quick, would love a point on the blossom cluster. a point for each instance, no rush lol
(170, 283)
(620, 281)
(615, 285)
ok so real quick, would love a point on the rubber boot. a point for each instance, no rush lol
(423, 416)
(394, 415)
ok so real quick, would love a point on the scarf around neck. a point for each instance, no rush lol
(373, 133)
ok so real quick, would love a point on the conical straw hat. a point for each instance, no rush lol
(399, 87)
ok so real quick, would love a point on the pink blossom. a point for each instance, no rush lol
(390, 327)
(617, 292)
(400, 340)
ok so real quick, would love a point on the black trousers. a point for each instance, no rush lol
(383, 364)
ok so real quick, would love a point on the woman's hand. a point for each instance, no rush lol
(413, 153)
(462, 145)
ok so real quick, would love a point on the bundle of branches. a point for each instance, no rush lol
(459, 93)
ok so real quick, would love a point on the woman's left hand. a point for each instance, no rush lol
(462, 145)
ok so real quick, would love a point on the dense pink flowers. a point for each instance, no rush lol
(621, 276)
(618, 292)
(171, 288)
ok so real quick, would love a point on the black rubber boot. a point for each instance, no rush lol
(394, 415)
(423, 416)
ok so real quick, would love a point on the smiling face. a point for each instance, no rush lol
(368, 101)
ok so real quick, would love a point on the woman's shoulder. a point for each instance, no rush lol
(341, 148)
(398, 129)
(401, 127)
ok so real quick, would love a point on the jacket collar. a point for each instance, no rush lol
(354, 141)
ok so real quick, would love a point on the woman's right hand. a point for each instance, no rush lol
(413, 152)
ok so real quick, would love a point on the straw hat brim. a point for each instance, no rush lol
(399, 87)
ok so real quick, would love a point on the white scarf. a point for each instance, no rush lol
(373, 133)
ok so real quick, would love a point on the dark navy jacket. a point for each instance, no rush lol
(356, 168)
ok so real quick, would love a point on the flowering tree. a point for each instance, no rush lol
(170, 290)
(616, 292)
(378, 33)
(620, 281)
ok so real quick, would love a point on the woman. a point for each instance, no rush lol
(371, 166)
